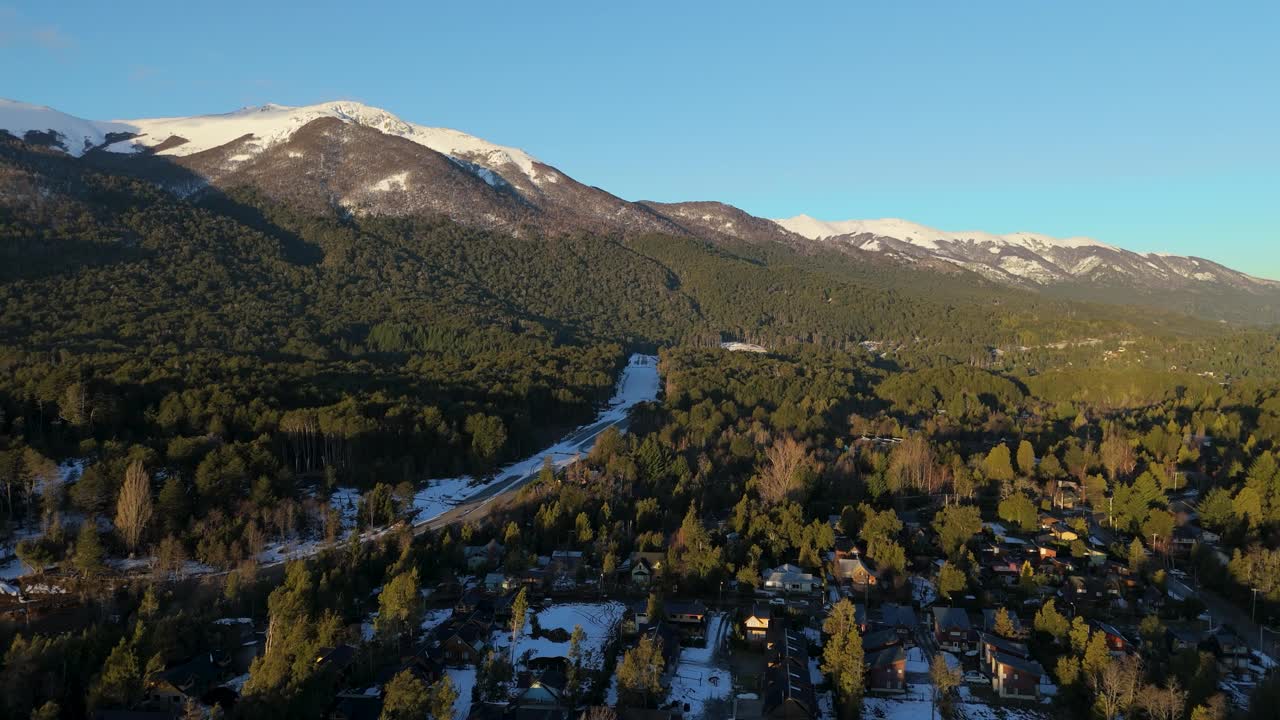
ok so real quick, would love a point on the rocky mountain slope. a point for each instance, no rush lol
(353, 159)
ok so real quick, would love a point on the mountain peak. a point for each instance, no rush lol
(273, 123)
(923, 235)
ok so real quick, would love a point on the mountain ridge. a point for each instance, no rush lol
(351, 158)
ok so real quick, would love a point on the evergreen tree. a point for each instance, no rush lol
(997, 465)
(956, 525)
(405, 697)
(951, 580)
(1096, 654)
(1026, 459)
(1079, 635)
(90, 555)
(443, 697)
(842, 657)
(1004, 624)
(119, 682)
(1137, 556)
(1018, 509)
(399, 606)
(574, 677)
(1051, 622)
(640, 673)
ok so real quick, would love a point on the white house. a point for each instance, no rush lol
(788, 578)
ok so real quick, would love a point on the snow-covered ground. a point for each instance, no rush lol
(347, 502)
(702, 674)
(917, 703)
(433, 619)
(68, 472)
(639, 383)
(464, 679)
(743, 347)
(922, 591)
(599, 623)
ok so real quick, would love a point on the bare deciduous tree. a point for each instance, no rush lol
(912, 465)
(1164, 703)
(779, 477)
(1116, 686)
(133, 507)
(1118, 456)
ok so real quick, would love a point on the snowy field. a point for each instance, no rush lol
(599, 622)
(702, 675)
(464, 679)
(639, 383)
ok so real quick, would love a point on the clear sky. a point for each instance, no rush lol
(1149, 125)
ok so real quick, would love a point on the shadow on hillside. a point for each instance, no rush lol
(70, 189)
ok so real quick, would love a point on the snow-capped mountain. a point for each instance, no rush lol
(1022, 258)
(40, 125)
(345, 156)
(269, 125)
(355, 159)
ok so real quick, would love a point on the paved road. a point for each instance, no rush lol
(1224, 611)
(479, 504)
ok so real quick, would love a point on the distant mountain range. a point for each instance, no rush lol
(353, 159)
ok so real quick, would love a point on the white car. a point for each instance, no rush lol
(973, 676)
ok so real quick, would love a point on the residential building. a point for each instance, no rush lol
(756, 623)
(1015, 677)
(951, 629)
(789, 578)
(887, 670)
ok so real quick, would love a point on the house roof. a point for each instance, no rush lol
(787, 684)
(677, 607)
(1004, 646)
(795, 575)
(194, 675)
(1031, 667)
(1109, 629)
(787, 644)
(760, 610)
(880, 639)
(336, 657)
(897, 615)
(887, 656)
(951, 618)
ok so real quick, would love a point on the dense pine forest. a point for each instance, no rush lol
(192, 380)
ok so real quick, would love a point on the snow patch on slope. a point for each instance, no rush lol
(398, 181)
(923, 235)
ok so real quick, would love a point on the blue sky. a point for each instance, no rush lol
(1150, 125)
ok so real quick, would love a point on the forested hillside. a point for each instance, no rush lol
(244, 360)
